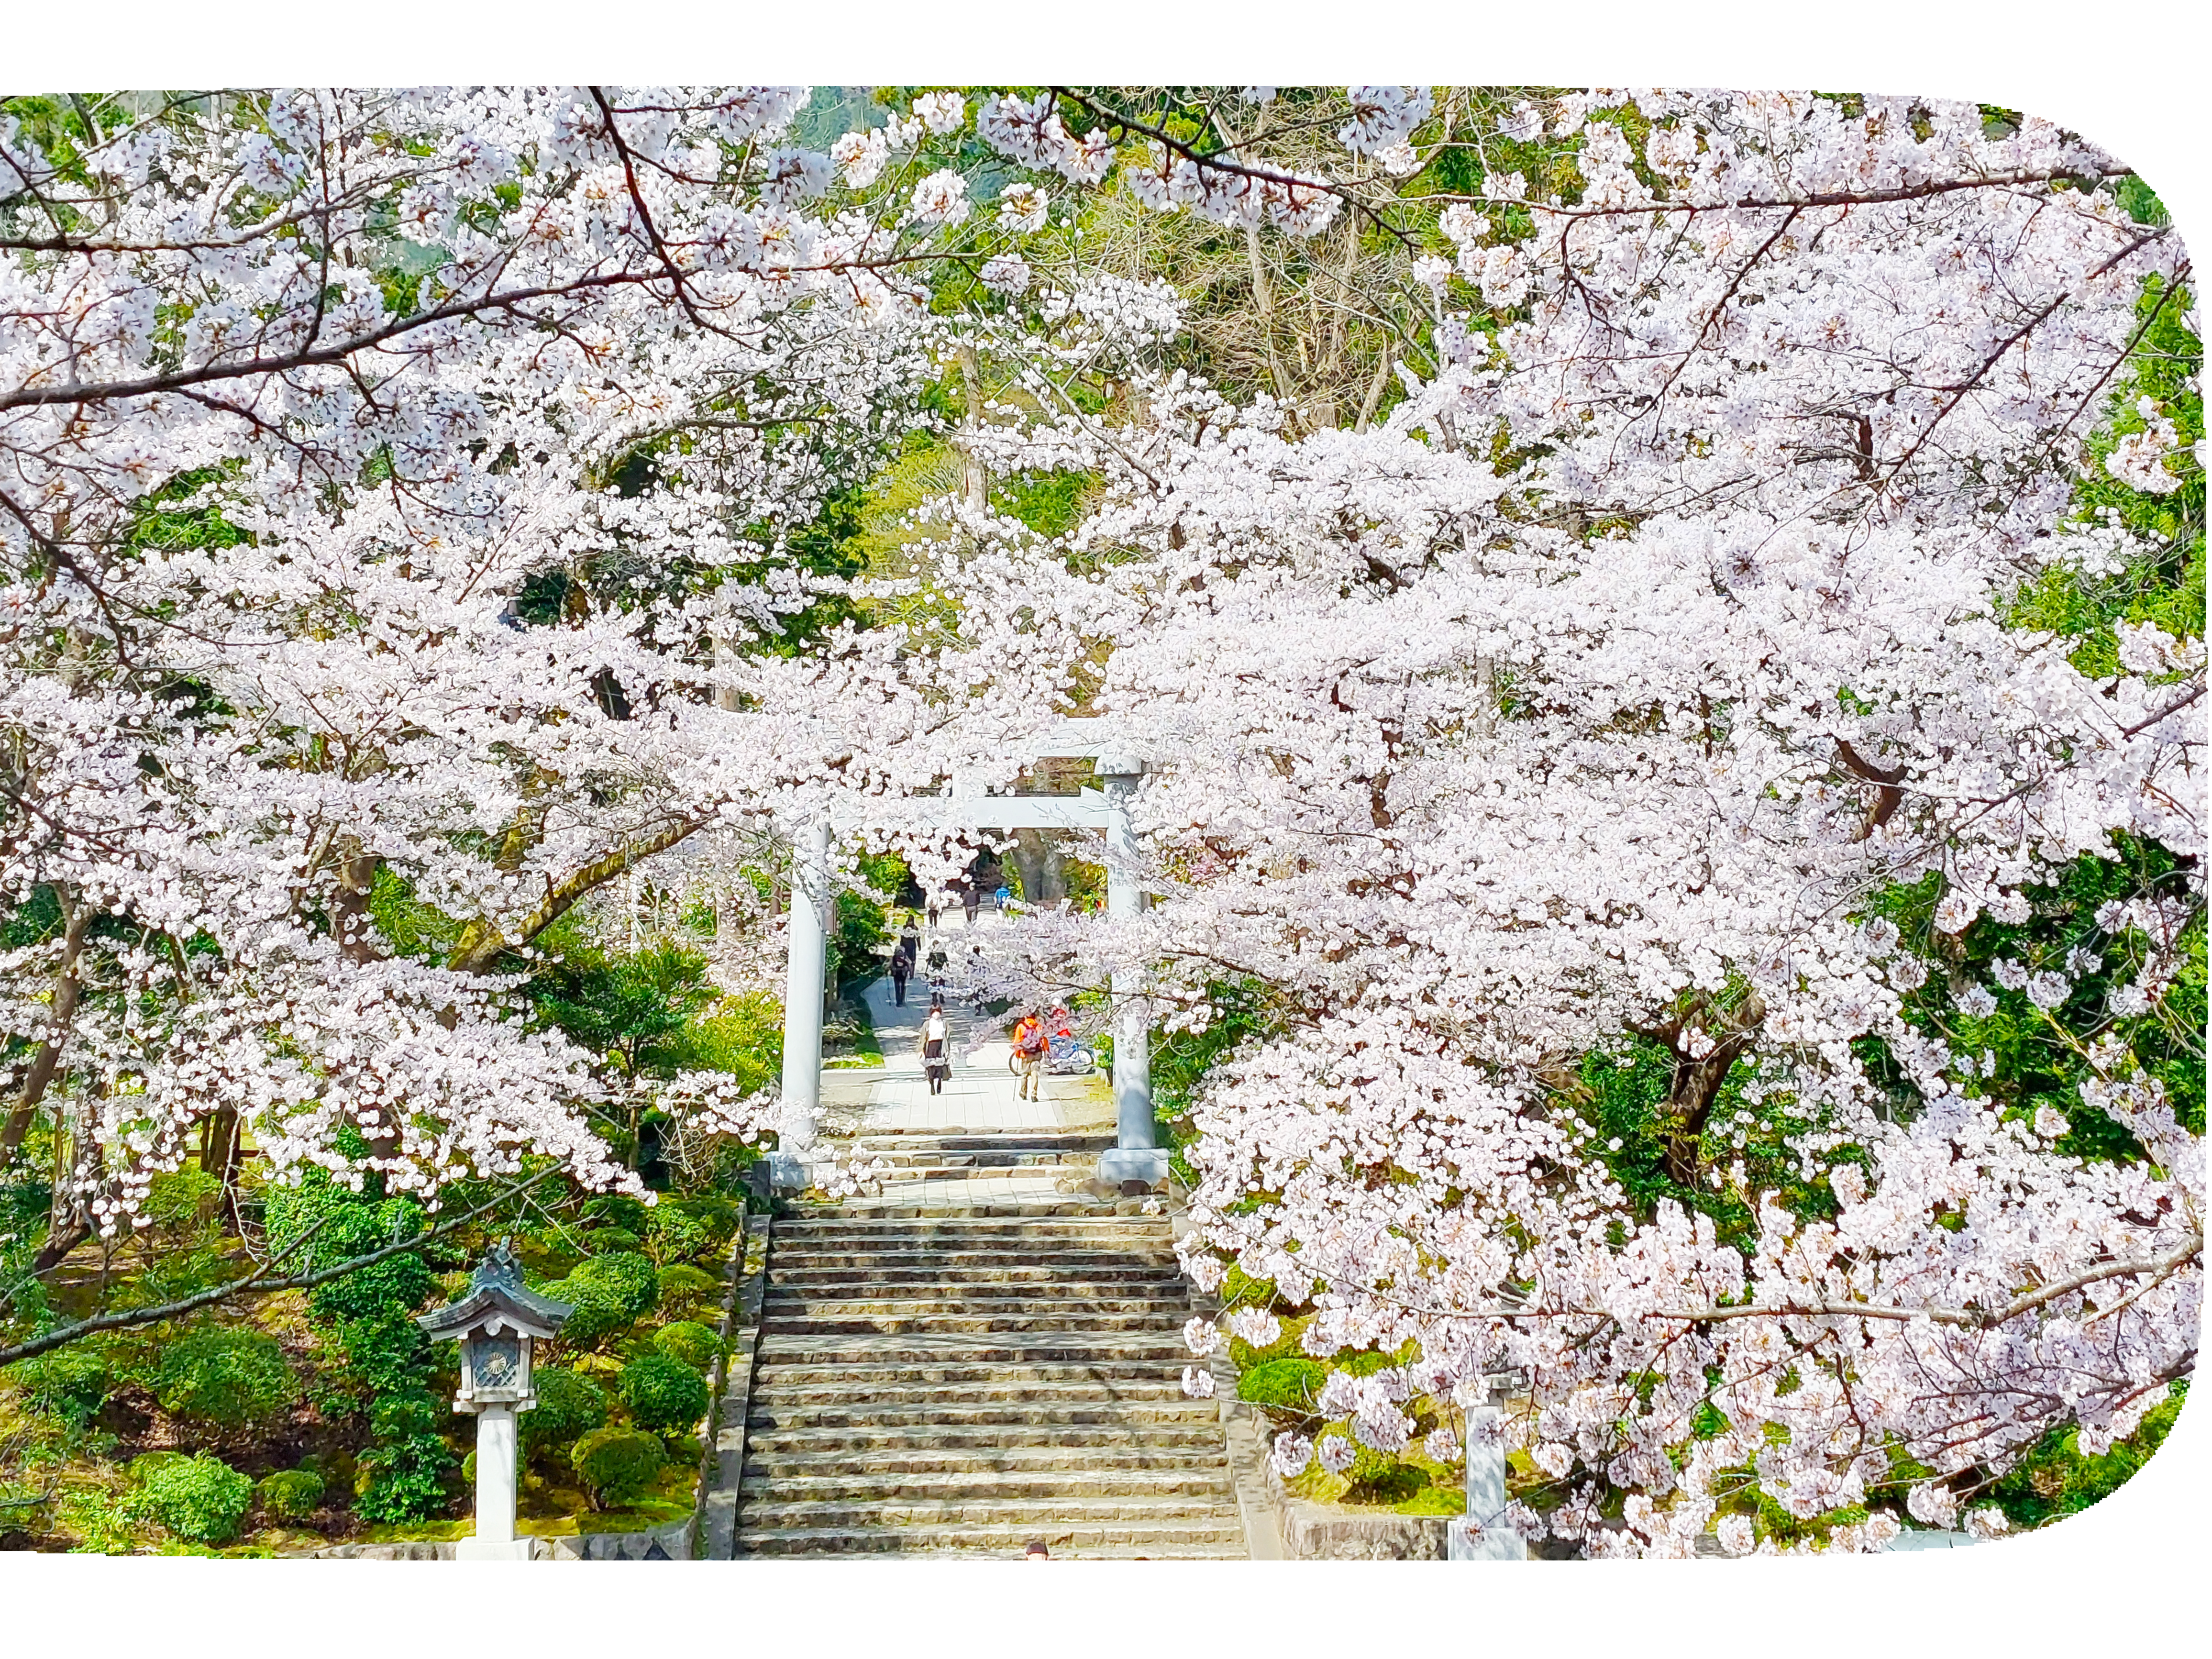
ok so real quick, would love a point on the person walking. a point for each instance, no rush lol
(901, 969)
(936, 908)
(978, 977)
(1030, 1046)
(1000, 898)
(938, 966)
(909, 942)
(971, 900)
(936, 1048)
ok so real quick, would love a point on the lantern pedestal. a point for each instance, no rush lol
(496, 1462)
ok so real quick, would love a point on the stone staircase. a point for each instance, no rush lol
(966, 1379)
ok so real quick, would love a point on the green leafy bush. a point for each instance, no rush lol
(403, 1474)
(178, 1198)
(617, 1464)
(1286, 1384)
(222, 1378)
(689, 1342)
(613, 1241)
(616, 1210)
(683, 1228)
(70, 1384)
(569, 1404)
(290, 1494)
(683, 1287)
(609, 1294)
(202, 1499)
(663, 1393)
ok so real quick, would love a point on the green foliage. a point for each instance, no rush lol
(616, 1464)
(609, 1294)
(412, 927)
(2056, 1480)
(70, 1384)
(569, 1404)
(290, 1494)
(1049, 503)
(1289, 1385)
(630, 1008)
(404, 1475)
(685, 1228)
(689, 1341)
(175, 1201)
(684, 1287)
(862, 929)
(618, 1210)
(202, 1499)
(221, 1378)
(664, 1392)
(741, 1034)
(345, 1224)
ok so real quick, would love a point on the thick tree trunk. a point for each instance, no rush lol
(76, 921)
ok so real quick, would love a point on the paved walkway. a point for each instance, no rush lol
(980, 1099)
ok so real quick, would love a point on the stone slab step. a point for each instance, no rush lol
(1011, 1346)
(1208, 1487)
(1012, 1275)
(1203, 1540)
(828, 1323)
(841, 1412)
(755, 1517)
(943, 1396)
(1049, 1460)
(917, 1302)
(782, 1372)
(807, 1440)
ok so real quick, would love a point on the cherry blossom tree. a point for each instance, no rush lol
(1652, 673)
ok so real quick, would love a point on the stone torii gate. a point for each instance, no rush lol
(1137, 1155)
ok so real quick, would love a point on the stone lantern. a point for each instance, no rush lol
(496, 1322)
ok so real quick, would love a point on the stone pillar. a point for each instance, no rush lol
(802, 1002)
(1483, 1533)
(495, 1539)
(1137, 1154)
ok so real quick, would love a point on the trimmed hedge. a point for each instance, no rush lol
(616, 1464)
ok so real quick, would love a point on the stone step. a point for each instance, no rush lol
(1049, 1460)
(899, 1324)
(976, 1218)
(952, 1397)
(1110, 1349)
(1014, 1277)
(1089, 1264)
(1204, 1487)
(955, 1140)
(778, 1371)
(1003, 1414)
(1044, 1233)
(800, 1439)
(1212, 1539)
(810, 1301)
(757, 1516)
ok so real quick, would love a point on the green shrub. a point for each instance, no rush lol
(70, 1384)
(176, 1199)
(688, 1341)
(202, 1499)
(402, 1475)
(686, 1287)
(682, 1228)
(290, 1494)
(617, 1464)
(616, 1210)
(569, 1404)
(613, 1241)
(663, 1393)
(609, 1294)
(1286, 1384)
(222, 1378)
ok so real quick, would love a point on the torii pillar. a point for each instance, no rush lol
(808, 937)
(1137, 1155)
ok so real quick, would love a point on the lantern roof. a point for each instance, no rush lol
(497, 1297)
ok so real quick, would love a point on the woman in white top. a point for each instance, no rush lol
(936, 1049)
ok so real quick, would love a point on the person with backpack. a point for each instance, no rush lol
(936, 1047)
(1030, 1046)
(938, 966)
(901, 969)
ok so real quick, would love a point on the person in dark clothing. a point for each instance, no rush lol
(971, 900)
(901, 969)
(937, 964)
